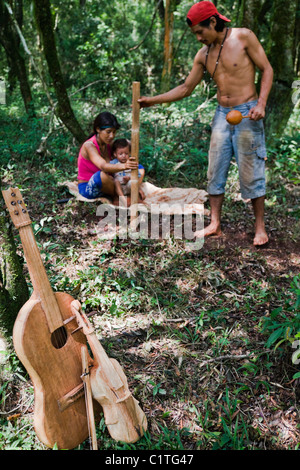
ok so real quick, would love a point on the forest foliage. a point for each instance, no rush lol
(103, 47)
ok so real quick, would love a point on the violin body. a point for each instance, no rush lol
(53, 361)
(124, 419)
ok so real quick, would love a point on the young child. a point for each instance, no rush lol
(121, 151)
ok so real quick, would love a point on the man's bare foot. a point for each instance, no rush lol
(261, 238)
(209, 231)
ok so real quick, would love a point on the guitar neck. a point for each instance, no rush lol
(41, 285)
(39, 278)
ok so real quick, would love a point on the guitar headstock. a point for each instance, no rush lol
(16, 206)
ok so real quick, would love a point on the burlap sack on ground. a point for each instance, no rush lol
(163, 200)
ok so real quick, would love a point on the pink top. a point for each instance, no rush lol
(86, 168)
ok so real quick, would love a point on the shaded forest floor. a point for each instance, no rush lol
(189, 328)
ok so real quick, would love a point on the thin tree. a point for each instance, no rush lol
(10, 41)
(282, 55)
(44, 22)
(170, 7)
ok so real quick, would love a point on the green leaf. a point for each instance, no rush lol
(274, 336)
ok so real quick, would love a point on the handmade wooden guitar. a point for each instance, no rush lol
(44, 344)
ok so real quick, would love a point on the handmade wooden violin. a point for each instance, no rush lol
(44, 344)
(124, 418)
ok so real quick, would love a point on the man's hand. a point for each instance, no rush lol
(257, 113)
(144, 102)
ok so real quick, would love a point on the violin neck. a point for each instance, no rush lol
(39, 278)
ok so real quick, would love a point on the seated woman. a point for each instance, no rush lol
(94, 167)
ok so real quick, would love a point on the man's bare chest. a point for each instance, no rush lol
(230, 59)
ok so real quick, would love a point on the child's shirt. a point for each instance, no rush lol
(120, 175)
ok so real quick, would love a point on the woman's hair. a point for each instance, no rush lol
(220, 25)
(105, 120)
(120, 144)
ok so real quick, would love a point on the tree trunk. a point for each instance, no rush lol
(45, 26)
(249, 14)
(297, 42)
(281, 51)
(170, 7)
(282, 58)
(11, 44)
(13, 286)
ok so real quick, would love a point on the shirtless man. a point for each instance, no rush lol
(230, 55)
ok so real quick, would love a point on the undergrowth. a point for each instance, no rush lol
(206, 337)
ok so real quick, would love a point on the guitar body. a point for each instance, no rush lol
(53, 362)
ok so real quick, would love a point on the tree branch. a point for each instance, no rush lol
(151, 25)
(227, 356)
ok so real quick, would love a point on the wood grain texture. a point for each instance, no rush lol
(39, 278)
(135, 136)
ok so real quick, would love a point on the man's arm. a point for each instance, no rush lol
(258, 56)
(181, 91)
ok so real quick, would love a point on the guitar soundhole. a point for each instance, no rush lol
(59, 337)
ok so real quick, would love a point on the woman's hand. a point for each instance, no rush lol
(131, 164)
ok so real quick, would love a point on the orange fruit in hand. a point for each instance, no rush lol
(234, 117)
